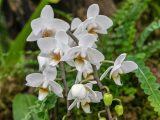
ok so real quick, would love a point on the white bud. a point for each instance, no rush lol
(78, 91)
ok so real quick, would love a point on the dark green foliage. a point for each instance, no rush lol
(4, 40)
(147, 31)
(151, 48)
(125, 24)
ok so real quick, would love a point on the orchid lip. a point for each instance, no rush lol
(47, 33)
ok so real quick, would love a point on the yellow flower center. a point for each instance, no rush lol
(56, 56)
(92, 30)
(48, 33)
(43, 90)
(79, 59)
(89, 76)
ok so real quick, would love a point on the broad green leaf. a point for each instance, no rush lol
(40, 110)
(21, 104)
(54, 1)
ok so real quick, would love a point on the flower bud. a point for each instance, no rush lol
(78, 91)
(107, 99)
(102, 118)
(119, 110)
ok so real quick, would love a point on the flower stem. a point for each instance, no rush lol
(72, 36)
(65, 88)
(100, 85)
(107, 61)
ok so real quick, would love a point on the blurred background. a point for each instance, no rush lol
(135, 31)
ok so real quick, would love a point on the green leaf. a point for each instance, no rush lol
(54, 1)
(49, 102)
(147, 31)
(40, 110)
(21, 104)
(148, 83)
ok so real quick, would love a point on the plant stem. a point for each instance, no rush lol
(107, 61)
(72, 36)
(100, 85)
(65, 88)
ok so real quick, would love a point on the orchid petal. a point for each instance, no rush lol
(94, 56)
(42, 94)
(32, 37)
(105, 73)
(43, 60)
(78, 77)
(96, 99)
(73, 104)
(34, 79)
(91, 91)
(115, 70)
(90, 85)
(69, 97)
(47, 12)
(62, 37)
(71, 63)
(116, 79)
(36, 25)
(104, 21)
(128, 66)
(50, 73)
(54, 62)
(75, 23)
(86, 108)
(70, 55)
(60, 25)
(46, 45)
(56, 88)
(93, 10)
(87, 40)
(120, 59)
(79, 66)
(78, 104)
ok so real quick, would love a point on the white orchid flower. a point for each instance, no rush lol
(84, 53)
(45, 82)
(120, 67)
(94, 23)
(53, 49)
(83, 95)
(87, 74)
(46, 25)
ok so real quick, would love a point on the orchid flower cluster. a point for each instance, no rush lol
(57, 46)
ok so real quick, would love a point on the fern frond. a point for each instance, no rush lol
(125, 21)
(147, 81)
(147, 31)
(151, 48)
(130, 11)
(149, 85)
